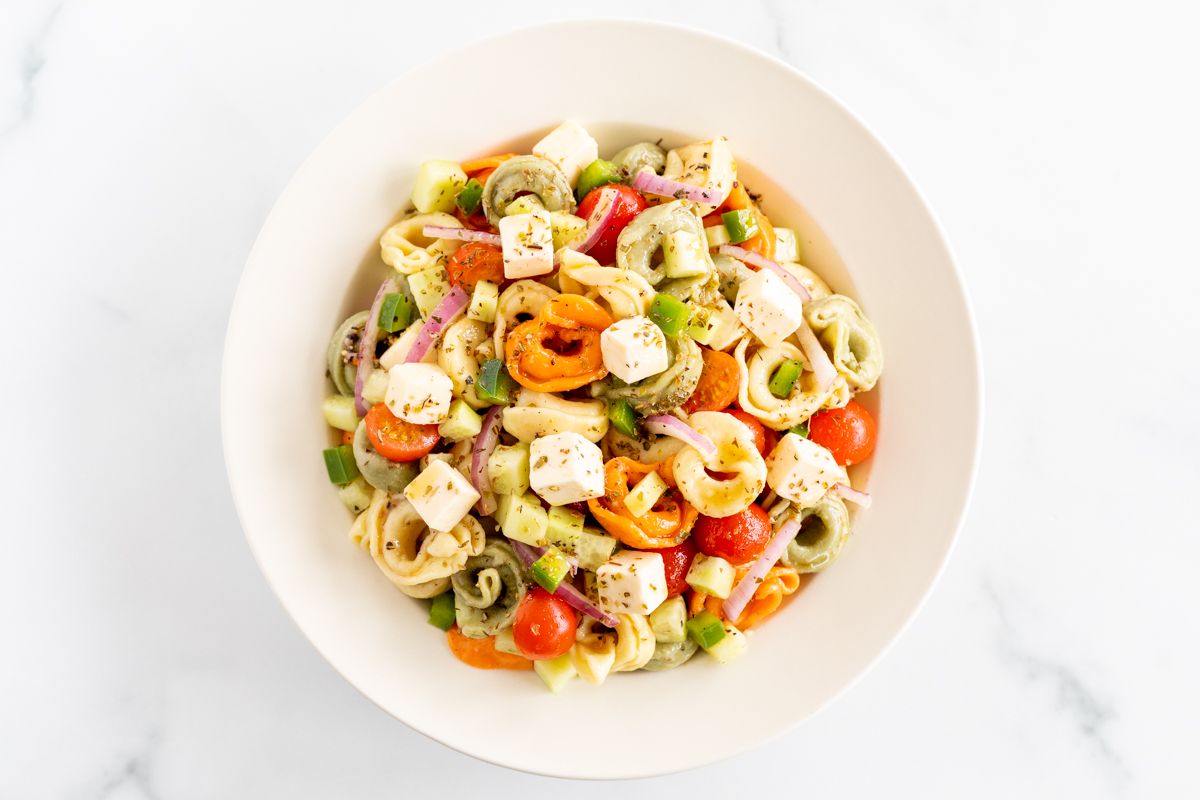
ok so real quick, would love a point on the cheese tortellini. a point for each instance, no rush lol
(540, 414)
(407, 249)
(756, 364)
(850, 338)
(619, 292)
(824, 529)
(736, 453)
(464, 346)
(519, 302)
(644, 236)
(628, 647)
(488, 590)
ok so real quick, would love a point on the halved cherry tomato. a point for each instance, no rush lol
(474, 262)
(738, 539)
(677, 560)
(544, 626)
(397, 440)
(628, 205)
(718, 386)
(756, 427)
(848, 433)
(482, 653)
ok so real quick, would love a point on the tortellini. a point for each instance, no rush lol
(756, 364)
(736, 453)
(642, 238)
(814, 283)
(628, 647)
(541, 413)
(637, 157)
(619, 292)
(669, 655)
(526, 174)
(342, 346)
(849, 337)
(388, 476)
(390, 529)
(407, 249)
(709, 164)
(488, 590)
(824, 529)
(648, 450)
(464, 345)
(667, 389)
(519, 302)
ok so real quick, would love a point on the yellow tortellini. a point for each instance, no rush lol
(620, 292)
(757, 363)
(464, 345)
(628, 647)
(850, 339)
(540, 413)
(709, 164)
(814, 283)
(519, 302)
(736, 453)
(406, 248)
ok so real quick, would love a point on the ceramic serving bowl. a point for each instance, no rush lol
(863, 226)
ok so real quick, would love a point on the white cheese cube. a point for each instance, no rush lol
(419, 393)
(802, 470)
(724, 327)
(570, 147)
(768, 307)
(634, 348)
(528, 244)
(787, 246)
(441, 495)
(631, 582)
(565, 468)
(399, 350)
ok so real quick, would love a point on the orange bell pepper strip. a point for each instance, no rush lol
(482, 653)
(764, 242)
(559, 349)
(665, 525)
(480, 164)
(780, 582)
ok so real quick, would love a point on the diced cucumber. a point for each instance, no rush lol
(339, 463)
(356, 495)
(699, 324)
(375, 386)
(729, 646)
(706, 629)
(441, 611)
(741, 224)
(462, 422)
(594, 548)
(724, 326)
(717, 235)
(645, 494)
(503, 504)
(550, 568)
(787, 245)
(784, 379)
(622, 416)
(555, 672)
(566, 524)
(685, 255)
(436, 185)
(339, 412)
(711, 575)
(524, 205)
(483, 302)
(505, 644)
(669, 621)
(429, 286)
(566, 229)
(508, 469)
(526, 521)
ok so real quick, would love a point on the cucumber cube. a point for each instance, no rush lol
(685, 255)
(593, 549)
(706, 629)
(566, 229)
(723, 326)
(717, 235)
(645, 494)
(429, 286)
(566, 525)
(483, 302)
(504, 643)
(712, 576)
(462, 422)
(731, 645)
(669, 621)
(549, 570)
(375, 386)
(555, 672)
(356, 495)
(436, 185)
(508, 469)
(526, 521)
(526, 204)
(787, 245)
(339, 412)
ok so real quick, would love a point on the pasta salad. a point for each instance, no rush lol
(598, 415)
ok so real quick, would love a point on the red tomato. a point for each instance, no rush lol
(738, 539)
(848, 433)
(544, 626)
(397, 440)
(677, 560)
(628, 205)
(474, 262)
(756, 427)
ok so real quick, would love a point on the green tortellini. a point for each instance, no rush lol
(526, 174)
(636, 157)
(824, 529)
(669, 655)
(488, 590)
(731, 273)
(663, 391)
(388, 476)
(641, 238)
(850, 338)
(347, 335)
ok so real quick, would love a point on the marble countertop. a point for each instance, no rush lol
(141, 146)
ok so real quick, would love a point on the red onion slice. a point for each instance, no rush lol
(818, 360)
(485, 443)
(574, 598)
(453, 304)
(461, 234)
(647, 181)
(598, 221)
(741, 595)
(850, 494)
(366, 348)
(762, 262)
(674, 427)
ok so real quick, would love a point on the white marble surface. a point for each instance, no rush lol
(141, 145)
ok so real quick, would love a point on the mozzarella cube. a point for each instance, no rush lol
(441, 495)
(570, 148)
(398, 352)
(634, 348)
(802, 470)
(632, 582)
(787, 245)
(419, 393)
(724, 327)
(768, 307)
(528, 244)
(565, 468)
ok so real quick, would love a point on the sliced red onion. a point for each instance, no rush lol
(599, 219)
(485, 443)
(446, 312)
(366, 348)
(574, 598)
(461, 234)
(647, 181)
(674, 427)
(818, 360)
(740, 597)
(762, 262)
(847, 492)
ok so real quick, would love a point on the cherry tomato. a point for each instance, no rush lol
(677, 560)
(719, 382)
(738, 539)
(848, 433)
(544, 626)
(474, 262)
(628, 205)
(756, 427)
(397, 440)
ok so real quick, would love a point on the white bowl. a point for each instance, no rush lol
(316, 260)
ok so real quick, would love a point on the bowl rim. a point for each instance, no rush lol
(959, 286)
